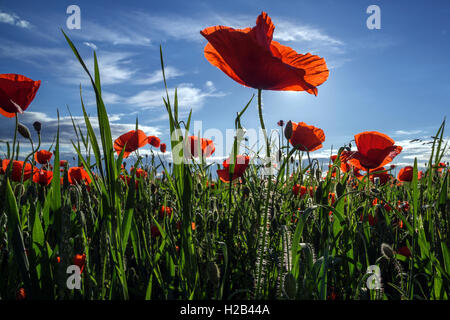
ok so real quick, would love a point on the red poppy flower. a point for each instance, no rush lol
(345, 167)
(406, 174)
(140, 173)
(127, 180)
(43, 177)
(332, 197)
(251, 58)
(80, 260)
(155, 231)
(296, 189)
(43, 156)
(16, 170)
(440, 166)
(63, 163)
(305, 137)
(21, 294)
(239, 168)
(404, 251)
(163, 147)
(165, 211)
(16, 93)
(384, 176)
(154, 141)
(78, 175)
(206, 145)
(131, 140)
(375, 150)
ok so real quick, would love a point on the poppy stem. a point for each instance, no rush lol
(261, 120)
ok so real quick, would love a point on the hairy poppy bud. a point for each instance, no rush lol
(23, 130)
(37, 126)
(288, 130)
(387, 251)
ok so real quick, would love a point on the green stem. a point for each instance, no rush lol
(266, 206)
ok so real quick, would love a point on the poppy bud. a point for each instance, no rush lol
(280, 123)
(288, 130)
(37, 126)
(23, 130)
(387, 251)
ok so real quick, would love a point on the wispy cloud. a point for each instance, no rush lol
(188, 28)
(117, 33)
(14, 19)
(156, 76)
(408, 132)
(90, 45)
(115, 67)
(31, 53)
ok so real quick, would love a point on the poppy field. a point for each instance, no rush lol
(243, 229)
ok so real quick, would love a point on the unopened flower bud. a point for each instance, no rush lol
(37, 126)
(23, 130)
(288, 130)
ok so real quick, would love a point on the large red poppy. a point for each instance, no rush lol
(131, 141)
(250, 57)
(239, 168)
(375, 150)
(43, 156)
(16, 93)
(43, 177)
(16, 170)
(305, 137)
(206, 145)
(78, 175)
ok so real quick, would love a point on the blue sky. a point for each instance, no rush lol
(393, 80)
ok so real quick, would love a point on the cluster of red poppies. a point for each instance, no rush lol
(44, 174)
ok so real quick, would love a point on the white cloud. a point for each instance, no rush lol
(114, 68)
(90, 45)
(189, 97)
(121, 33)
(13, 19)
(157, 76)
(15, 50)
(408, 132)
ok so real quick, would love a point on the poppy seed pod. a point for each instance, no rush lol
(23, 130)
(288, 130)
(37, 126)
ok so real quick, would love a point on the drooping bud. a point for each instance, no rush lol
(23, 130)
(288, 130)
